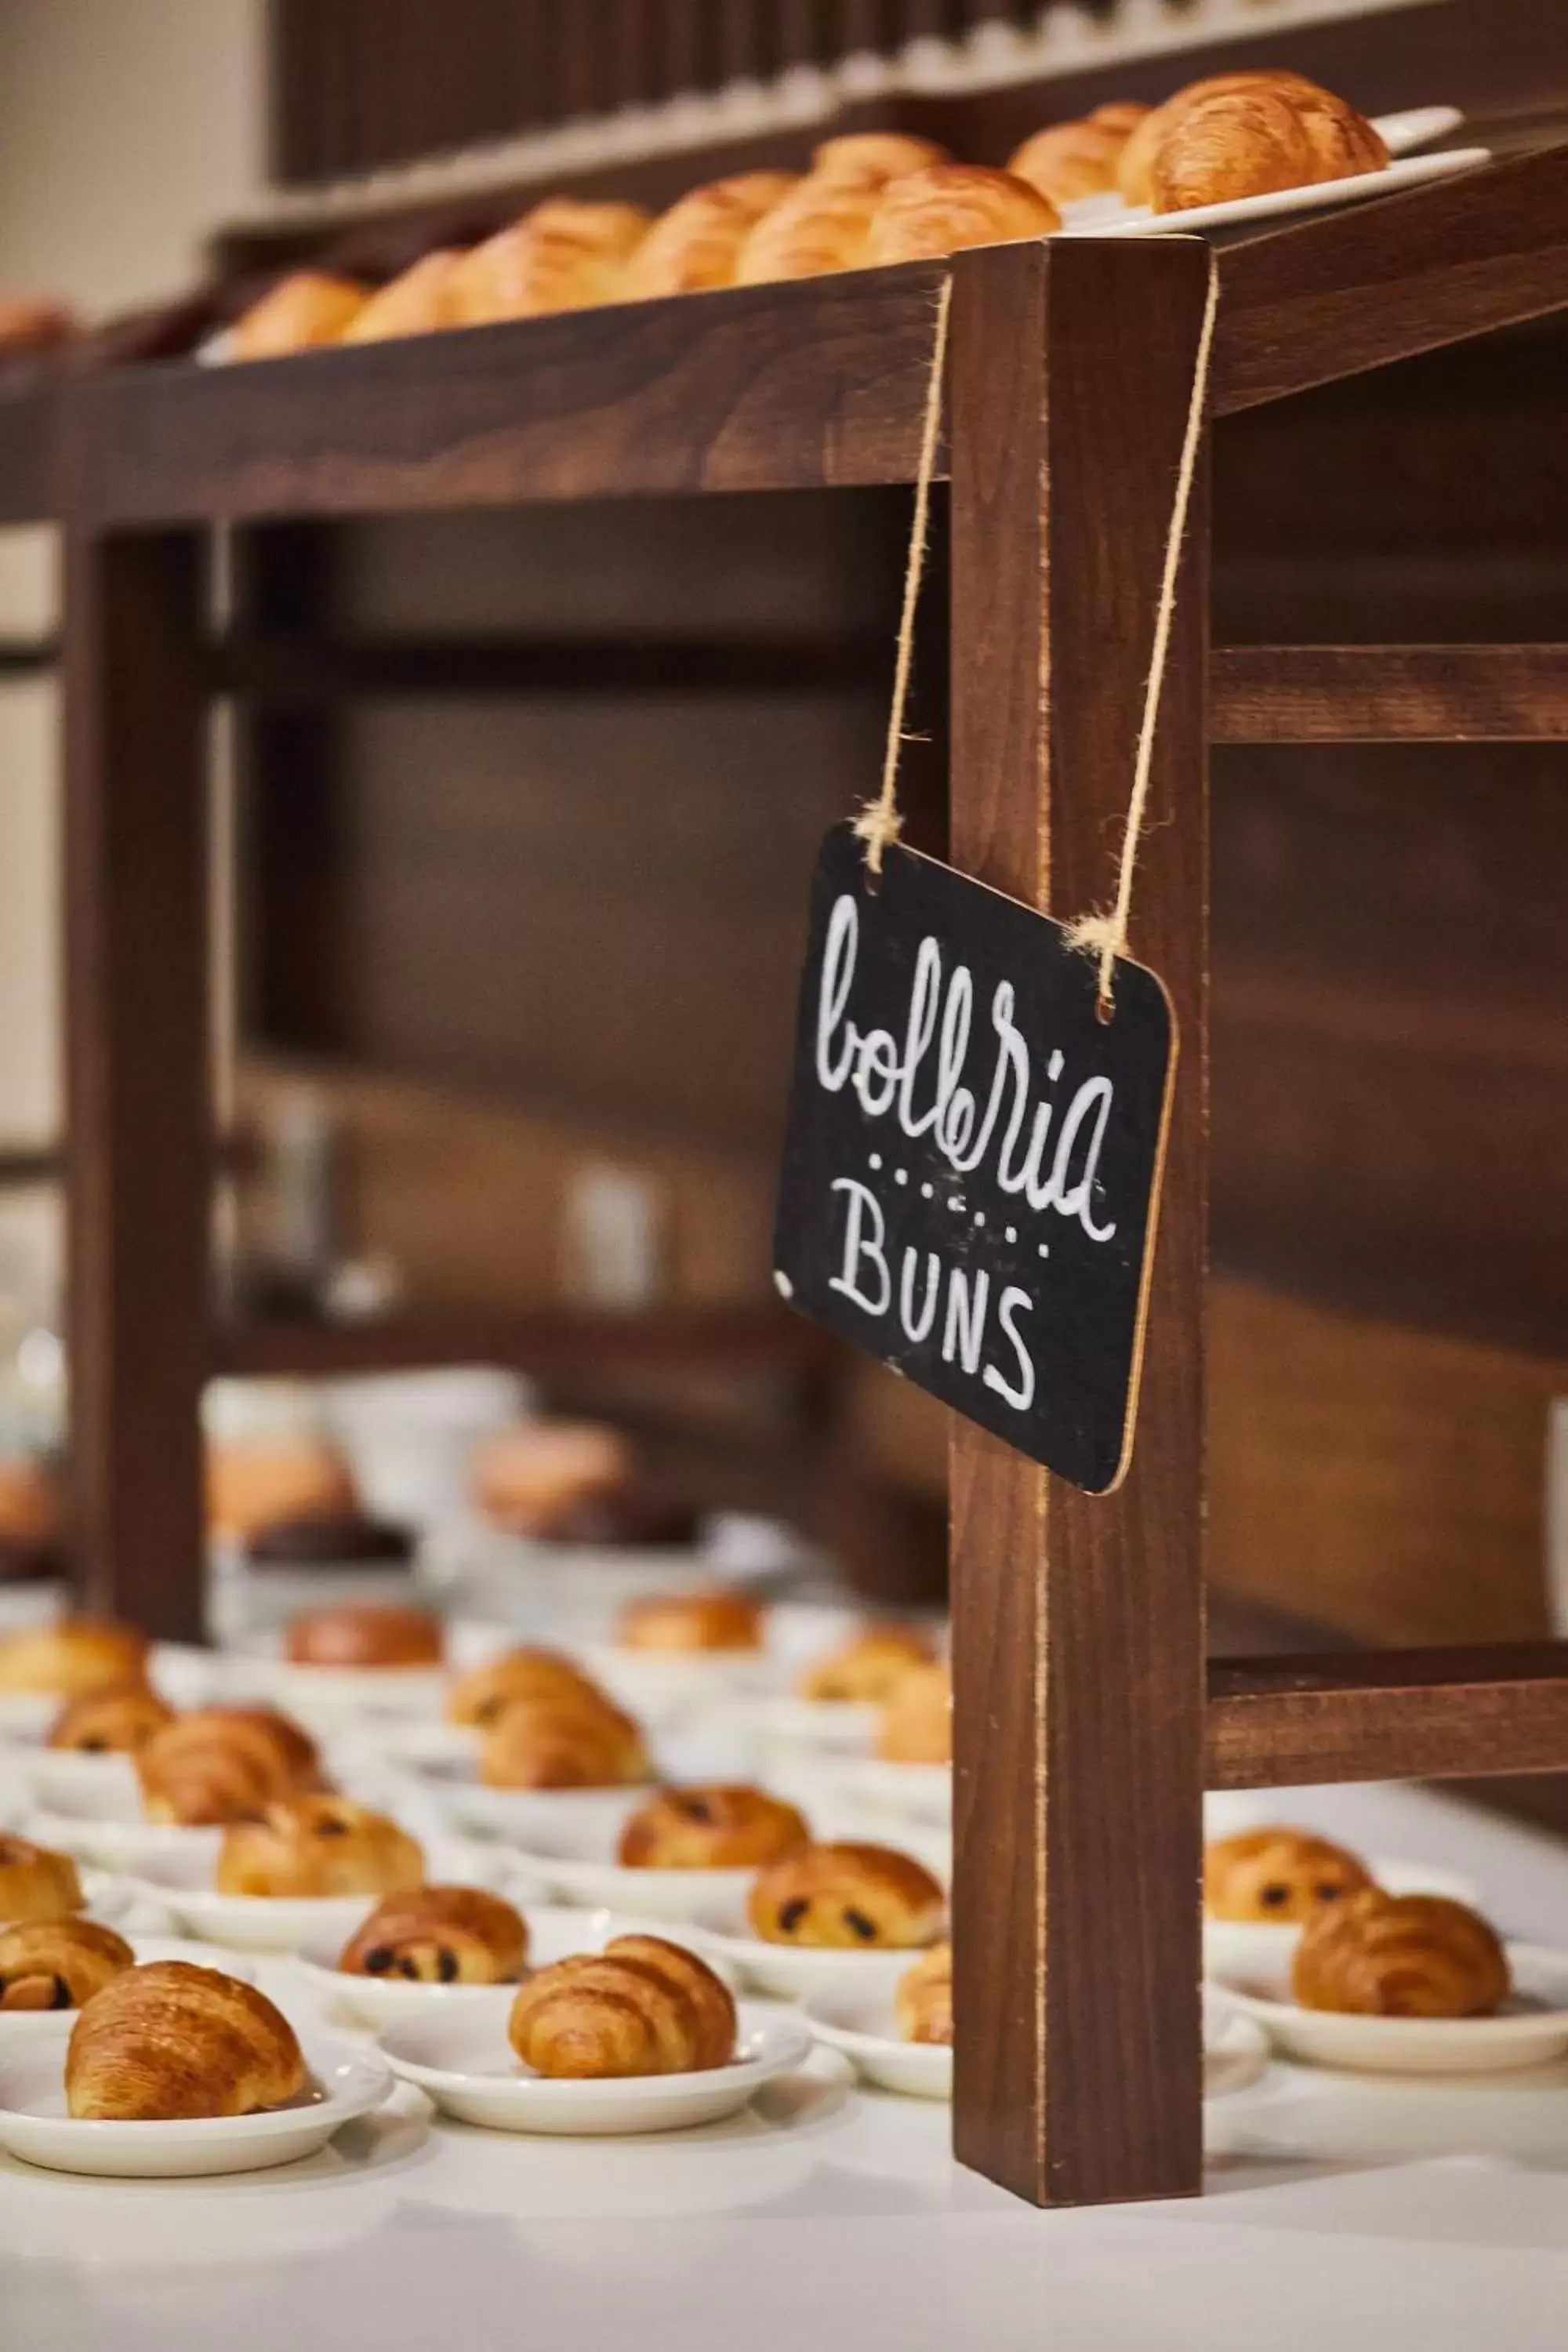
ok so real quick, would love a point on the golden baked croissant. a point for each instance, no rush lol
(564, 254)
(479, 1696)
(947, 207)
(223, 1764)
(869, 1669)
(691, 1621)
(847, 1896)
(256, 1483)
(115, 1721)
(310, 307)
(440, 1935)
(58, 1963)
(1246, 142)
(820, 227)
(697, 243)
(872, 159)
(922, 2001)
(564, 1740)
(641, 2007)
(917, 1717)
(171, 2041)
(1135, 164)
(361, 1635)
(72, 1656)
(419, 302)
(315, 1845)
(525, 1478)
(1278, 1874)
(712, 1828)
(35, 1883)
(1400, 1956)
(1068, 161)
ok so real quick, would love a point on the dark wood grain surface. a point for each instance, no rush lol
(1077, 1622)
(1388, 694)
(1388, 1715)
(30, 489)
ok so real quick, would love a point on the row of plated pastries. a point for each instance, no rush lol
(870, 198)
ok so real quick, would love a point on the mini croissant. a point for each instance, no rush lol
(820, 227)
(848, 1897)
(116, 1721)
(479, 1696)
(1400, 1956)
(947, 207)
(35, 1883)
(564, 1741)
(1135, 164)
(58, 1963)
(223, 1764)
(697, 244)
(422, 300)
(564, 254)
(72, 1656)
(440, 1935)
(171, 2041)
(315, 1845)
(309, 307)
(1246, 142)
(710, 1828)
(923, 2001)
(867, 1669)
(641, 2007)
(1069, 161)
(873, 159)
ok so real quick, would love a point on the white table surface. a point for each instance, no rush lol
(1340, 2214)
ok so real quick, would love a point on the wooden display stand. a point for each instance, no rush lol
(1085, 1731)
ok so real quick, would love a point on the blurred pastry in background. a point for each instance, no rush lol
(922, 2001)
(32, 1522)
(118, 1721)
(440, 1935)
(716, 1827)
(315, 1845)
(1069, 161)
(221, 1764)
(872, 159)
(917, 1719)
(948, 206)
(479, 1696)
(867, 1669)
(345, 1539)
(691, 1621)
(35, 1883)
(254, 1483)
(36, 322)
(72, 1656)
(848, 1897)
(307, 308)
(696, 245)
(529, 1479)
(51, 1964)
(564, 254)
(360, 1635)
(425, 298)
(564, 1740)
(820, 227)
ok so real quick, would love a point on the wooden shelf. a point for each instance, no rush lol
(1388, 694)
(30, 417)
(550, 1340)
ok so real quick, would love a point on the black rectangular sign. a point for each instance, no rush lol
(972, 1161)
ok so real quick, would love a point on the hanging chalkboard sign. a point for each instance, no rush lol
(972, 1164)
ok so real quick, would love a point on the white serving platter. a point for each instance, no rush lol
(1529, 2029)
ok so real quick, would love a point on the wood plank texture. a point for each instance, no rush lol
(29, 414)
(1354, 290)
(1388, 1715)
(1388, 694)
(1077, 1622)
(549, 1341)
(137, 1071)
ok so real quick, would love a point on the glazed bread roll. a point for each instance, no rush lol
(72, 1656)
(872, 159)
(58, 1963)
(1069, 161)
(35, 1883)
(712, 1828)
(171, 2041)
(479, 1696)
(310, 307)
(641, 2007)
(253, 1483)
(947, 207)
(922, 2002)
(1245, 143)
(564, 1740)
(221, 1764)
(528, 1478)
(440, 1935)
(119, 1720)
(848, 1897)
(1382, 1954)
(566, 254)
(869, 1669)
(313, 1845)
(364, 1636)
(1279, 1874)
(696, 245)
(917, 1719)
(425, 299)
(691, 1621)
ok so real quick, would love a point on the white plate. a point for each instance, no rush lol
(1233, 1946)
(346, 2081)
(576, 1861)
(1416, 126)
(1531, 2028)
(791, 1971)
(106, 1826)
(18, 2025)
(655, 1682)
(1362, 185)
(553, 1934)
(247, 1923)
(839, 1726)
(524, 1815)
(920, 1792)
(470, 2069)
(63, 1779)
(328, 1694)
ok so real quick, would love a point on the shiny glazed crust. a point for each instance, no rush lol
(223, 1764)
(949, 206)
(848, 1897)
(47, 1964)
(1381, 1954)
(117, 1721)
(479, 1696)
(365, 1636)
(641, 2007)
(418, 302)
(710, 1828)
(35, 1883)
(72, 1656)
(440, 1935)
(567, 1740)
(308, 308)
(1282, 1875)
(696, 245)
(566, 254)
(316, 1845)
(172, 2041)
(692, 1621)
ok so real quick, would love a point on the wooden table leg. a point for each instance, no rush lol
(137, 1070)
(1077, 1622)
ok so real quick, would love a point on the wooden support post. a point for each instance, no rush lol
(1077, 1622)
(137, 1070)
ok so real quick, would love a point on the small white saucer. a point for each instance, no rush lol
(650, 1683)
(328, 1694)
(105, 1825)
(1232, 1947)
(1404, 172)
(247, 1923)
(62, 1778)
(346, 2081)
(835, 1727)
(1531, 2028)
(18, 2025)
(792, 1971)
(553, 1934)
(28, 1715)
(522, 1815)
(920, 1792)
(576, 1861)
(470, 2069)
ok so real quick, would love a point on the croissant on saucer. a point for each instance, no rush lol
(820, 227)
(922, 2000)
(869, 1669)
(440, 1935)
(691, 1621)
(314, 1845)
(848, 1897)
(710, 1828)
(256, 1483)
(1279, 1875)
(641, 2007)
(35, 1883)
(364, 1635)
(72, 1656)
(525, 1478)
(917, 1718)
(1381, 1954)
(947, 207)
(119, 1720)
(479, 1696)
(423, 300)
(1069, 161)
(567, 1740)
(697, 243)
(1247, 142)
(1134, 169)
(171, 2041)
(58, 1963)
(310, 307)
(223, 1764)
(564, 254)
